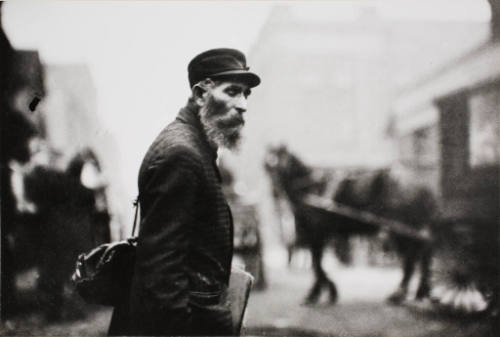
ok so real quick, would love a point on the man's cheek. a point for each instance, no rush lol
(219, 107)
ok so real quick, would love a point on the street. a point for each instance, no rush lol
(360, 311)
(277, 310)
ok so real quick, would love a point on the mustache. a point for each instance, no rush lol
(213, 109)
(231, 122)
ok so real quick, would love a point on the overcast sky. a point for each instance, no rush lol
(138, 51)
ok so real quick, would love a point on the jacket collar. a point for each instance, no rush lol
(189, 115)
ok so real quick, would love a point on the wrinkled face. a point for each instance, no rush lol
(221, 112)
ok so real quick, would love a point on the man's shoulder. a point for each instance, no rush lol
(176, 140)
(178, 135)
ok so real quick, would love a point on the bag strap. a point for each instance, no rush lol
(136, 205)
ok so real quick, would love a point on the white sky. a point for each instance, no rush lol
(440, 10)
(138, 51)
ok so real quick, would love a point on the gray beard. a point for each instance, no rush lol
(218, 132)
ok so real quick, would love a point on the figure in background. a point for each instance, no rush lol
(247, 238)
(15, 131)
(68, 222)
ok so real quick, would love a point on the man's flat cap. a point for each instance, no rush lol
(221, 63)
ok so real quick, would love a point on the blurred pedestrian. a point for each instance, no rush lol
(16, 130)
(185, 244)
(68, 223)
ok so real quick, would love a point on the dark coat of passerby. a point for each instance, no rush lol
(16, 130)
(185, 243)
(68, 223)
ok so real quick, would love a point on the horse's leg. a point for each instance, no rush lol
(320, 275)
(333, 291)
(424, 287)
(315, 291)
(289, 250)
(409, 260)
(324, 280)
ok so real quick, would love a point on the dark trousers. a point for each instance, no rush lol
(210, 316)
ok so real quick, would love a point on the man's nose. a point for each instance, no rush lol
(241, 104)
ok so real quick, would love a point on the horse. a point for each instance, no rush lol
(292, 181)
(66, 220)
(340, 244)
(380, 193)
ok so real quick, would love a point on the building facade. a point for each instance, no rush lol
(328, 88)
(448, 128)
(71, 122)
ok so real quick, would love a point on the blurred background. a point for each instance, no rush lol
(370, 158)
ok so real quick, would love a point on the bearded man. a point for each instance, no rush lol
(185, 243)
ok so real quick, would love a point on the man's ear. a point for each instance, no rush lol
(199, 95)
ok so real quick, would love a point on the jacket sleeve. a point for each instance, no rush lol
(170, 191)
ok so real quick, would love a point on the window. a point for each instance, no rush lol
(484, 127)
(425, 146)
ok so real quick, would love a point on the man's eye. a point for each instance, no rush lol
(247, 92)
(232, 92)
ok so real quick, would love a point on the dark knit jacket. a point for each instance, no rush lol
(185, 242)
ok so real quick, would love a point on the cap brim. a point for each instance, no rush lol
(249, 78)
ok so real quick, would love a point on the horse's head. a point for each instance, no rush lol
(280, 165)
(289, 175)
(273, 158)
(273, 167)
